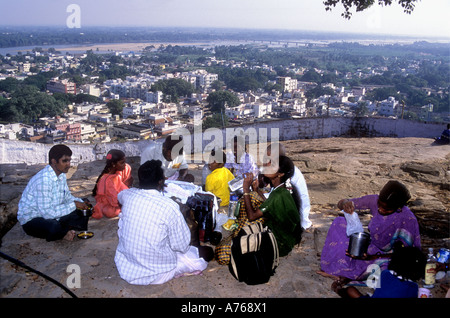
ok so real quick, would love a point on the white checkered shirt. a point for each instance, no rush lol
(46, 195)
(151, 230)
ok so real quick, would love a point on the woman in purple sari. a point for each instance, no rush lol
(392, 223)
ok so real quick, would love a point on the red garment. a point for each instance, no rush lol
(126, 175)
(108, 187)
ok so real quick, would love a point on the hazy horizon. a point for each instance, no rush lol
(429, 19)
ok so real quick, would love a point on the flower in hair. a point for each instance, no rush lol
(109, 156)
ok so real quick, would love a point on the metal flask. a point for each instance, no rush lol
(358, 244)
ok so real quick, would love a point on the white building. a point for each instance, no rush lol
(137, 109)
(87, 131)
(388, 107)
(132, 131)
(10, 131)
(205, 80)
(196, 113)
(287, 83)
(240, 111)
(94, 91)
(154, 97)
(200, 79)
(296, 105)
(167, 109)
(85, 108)
(261, 109)
(100, 117)
(128, 89)
(425, 111)
(371, 107)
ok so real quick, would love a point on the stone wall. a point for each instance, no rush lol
(305, 128)
(13, 151)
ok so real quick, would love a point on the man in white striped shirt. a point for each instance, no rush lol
(154, 239)
(298, 181)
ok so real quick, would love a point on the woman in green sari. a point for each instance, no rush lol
(279, 211)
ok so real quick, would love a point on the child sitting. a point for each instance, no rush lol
(115, 177)
(217, 180)
(407, 266)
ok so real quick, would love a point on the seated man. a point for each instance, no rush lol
(445, 136)
(154, 239)
(47, 209)
(174, 164)
(299, 183)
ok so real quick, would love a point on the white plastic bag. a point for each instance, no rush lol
(353, 223)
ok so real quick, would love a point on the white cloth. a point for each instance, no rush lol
(154, 152)
(180, 189)
(353, 223)
(187, 264)
(299, 182)
(153, 238)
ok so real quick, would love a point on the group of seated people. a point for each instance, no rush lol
(154, 238)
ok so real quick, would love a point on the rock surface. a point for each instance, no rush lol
(334, 168)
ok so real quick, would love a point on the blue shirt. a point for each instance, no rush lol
(46, 195)
(393, 287)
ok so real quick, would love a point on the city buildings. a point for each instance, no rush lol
(62, 86)
(146, 114)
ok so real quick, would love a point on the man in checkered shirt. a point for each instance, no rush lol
(47, 209)
(154, 239)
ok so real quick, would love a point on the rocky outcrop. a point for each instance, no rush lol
(334, 168)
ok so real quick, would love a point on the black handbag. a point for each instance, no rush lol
(202, 205)
(254, 255)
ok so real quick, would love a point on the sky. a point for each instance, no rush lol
(430, 18)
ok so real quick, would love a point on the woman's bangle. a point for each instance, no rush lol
(247, 193)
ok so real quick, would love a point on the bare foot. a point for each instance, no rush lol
(69, 235)
(322, 273)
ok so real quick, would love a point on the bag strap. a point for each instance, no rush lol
(276, 256)
(253, 228)
(250, 243)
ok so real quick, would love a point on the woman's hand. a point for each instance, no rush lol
(129, 182)
(364, 257)
(367, 257)
(248, 180)
(81, 205)
(346, 205)
(255, 185)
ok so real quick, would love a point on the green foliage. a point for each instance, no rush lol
(27, 104)
(9, 84)
(319, 91)
(403, 80)
(379, 94)
(409, 87)
(115, 106)
(173, 88)
(40, 80)
(311, 76)
(218, 99)
(218, 85)
(215, 121)
(116, 71)
(361, 5)
(241, 79)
